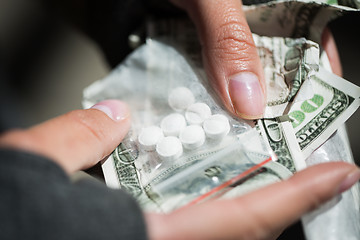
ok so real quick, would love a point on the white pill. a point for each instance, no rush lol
(217, 126)
(197, 113)
(180, 98)
(173, 124)
(192, 137)
(169, 148)
(149, 137)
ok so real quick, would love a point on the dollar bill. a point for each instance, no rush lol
(290, 65)
(186, 180)
(295, 19)
(333, 102)
(311, 122)
(138, 172)
(279, 133)
(287, 64)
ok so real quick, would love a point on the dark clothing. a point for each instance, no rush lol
(38, 201)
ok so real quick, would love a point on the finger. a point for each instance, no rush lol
(230, 56)
(78, 139)
(262, 213)
(329, 45)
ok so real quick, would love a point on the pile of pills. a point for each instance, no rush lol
(188, 127)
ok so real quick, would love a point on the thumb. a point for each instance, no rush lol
(230, 56)
(259, 214)
(78, 139)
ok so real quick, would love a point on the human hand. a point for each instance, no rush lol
(230, 57)
(262, 214)
(80, 138)
(76, 140)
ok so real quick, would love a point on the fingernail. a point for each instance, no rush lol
(246, 95)
(351, 179)
(115, 109)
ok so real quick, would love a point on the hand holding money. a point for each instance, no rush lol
(262, 214)
(305, 102)
(83, 136)
(230, 57)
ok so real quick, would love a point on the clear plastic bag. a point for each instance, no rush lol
(340, 216)
(210, 178)
(145, 81)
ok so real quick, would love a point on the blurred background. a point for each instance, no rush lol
(51, 50)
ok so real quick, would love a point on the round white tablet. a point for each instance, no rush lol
(149, 137)
(197, 113)
(180, 98)
(217, 126)
(173, 124)
(169, 148)
(192, 137)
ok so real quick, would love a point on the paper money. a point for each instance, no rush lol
(168, 188)
(280, 135)
(305, 103)
(295, 19)
(310, 123)
(333, 102)
(288, 64)
(138, 172)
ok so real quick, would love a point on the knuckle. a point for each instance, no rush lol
(89, 126)
(233, 41)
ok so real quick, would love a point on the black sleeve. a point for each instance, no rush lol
(38, 201)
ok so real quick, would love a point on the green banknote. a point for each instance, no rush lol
(305, 104)
(314, 120)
